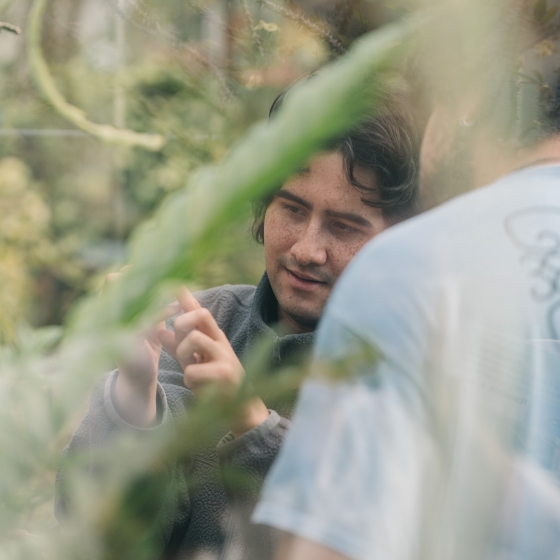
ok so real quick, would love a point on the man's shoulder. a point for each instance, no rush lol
(462, 239)
(388, 295)
(228, 295)
(481, 211)
(409, 259)
(230, 305)
(454, 225)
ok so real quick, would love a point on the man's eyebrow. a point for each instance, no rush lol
(289, 196)
(350, 216)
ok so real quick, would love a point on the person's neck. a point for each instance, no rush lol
(293, 325)
(492, 161)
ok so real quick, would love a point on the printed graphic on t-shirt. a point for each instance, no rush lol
(536, 231)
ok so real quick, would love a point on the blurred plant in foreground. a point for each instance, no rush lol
(44, 383)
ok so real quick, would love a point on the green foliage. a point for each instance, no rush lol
(542, 14)
(24, 241)
(49, 89)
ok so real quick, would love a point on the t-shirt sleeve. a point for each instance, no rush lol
(355, 466)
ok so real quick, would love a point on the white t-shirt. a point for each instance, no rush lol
(443, 440)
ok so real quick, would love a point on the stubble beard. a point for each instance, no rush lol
(307, 318)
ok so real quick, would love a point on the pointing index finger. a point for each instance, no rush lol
(187, 301)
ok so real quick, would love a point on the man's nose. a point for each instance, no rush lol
(310, 247)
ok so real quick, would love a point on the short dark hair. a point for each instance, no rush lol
(507, 55)
(387, 146)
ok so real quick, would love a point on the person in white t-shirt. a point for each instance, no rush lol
(443, 440)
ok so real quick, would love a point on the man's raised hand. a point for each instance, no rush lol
(208, 359)
(135, 390)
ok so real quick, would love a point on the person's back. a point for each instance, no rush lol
(444, 441)
(468, 383)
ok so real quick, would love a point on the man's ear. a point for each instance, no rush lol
(468, 109)
(446, 122)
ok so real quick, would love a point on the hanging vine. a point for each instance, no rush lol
(75, 115)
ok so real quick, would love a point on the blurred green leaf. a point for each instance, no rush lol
(549, 15)
(539, 10)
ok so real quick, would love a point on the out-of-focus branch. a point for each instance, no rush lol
(46, 84)
(256, 37)
(9, 27)
(305, 22)
(147, 26)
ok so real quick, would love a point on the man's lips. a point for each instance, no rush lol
(304, 282)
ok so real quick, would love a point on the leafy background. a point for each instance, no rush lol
(201, 74)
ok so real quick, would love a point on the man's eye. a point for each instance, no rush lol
(343, 228)
(292, 209)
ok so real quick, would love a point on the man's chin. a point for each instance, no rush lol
(301, 310)
(306, 319)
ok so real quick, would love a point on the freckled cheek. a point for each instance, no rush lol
(341, 256)
(279, 235)
(277, 240)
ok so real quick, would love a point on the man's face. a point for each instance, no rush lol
(312, 229)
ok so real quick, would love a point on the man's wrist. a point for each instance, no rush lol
(251, 415)
(135, 403)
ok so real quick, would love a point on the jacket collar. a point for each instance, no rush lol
(264, 314)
